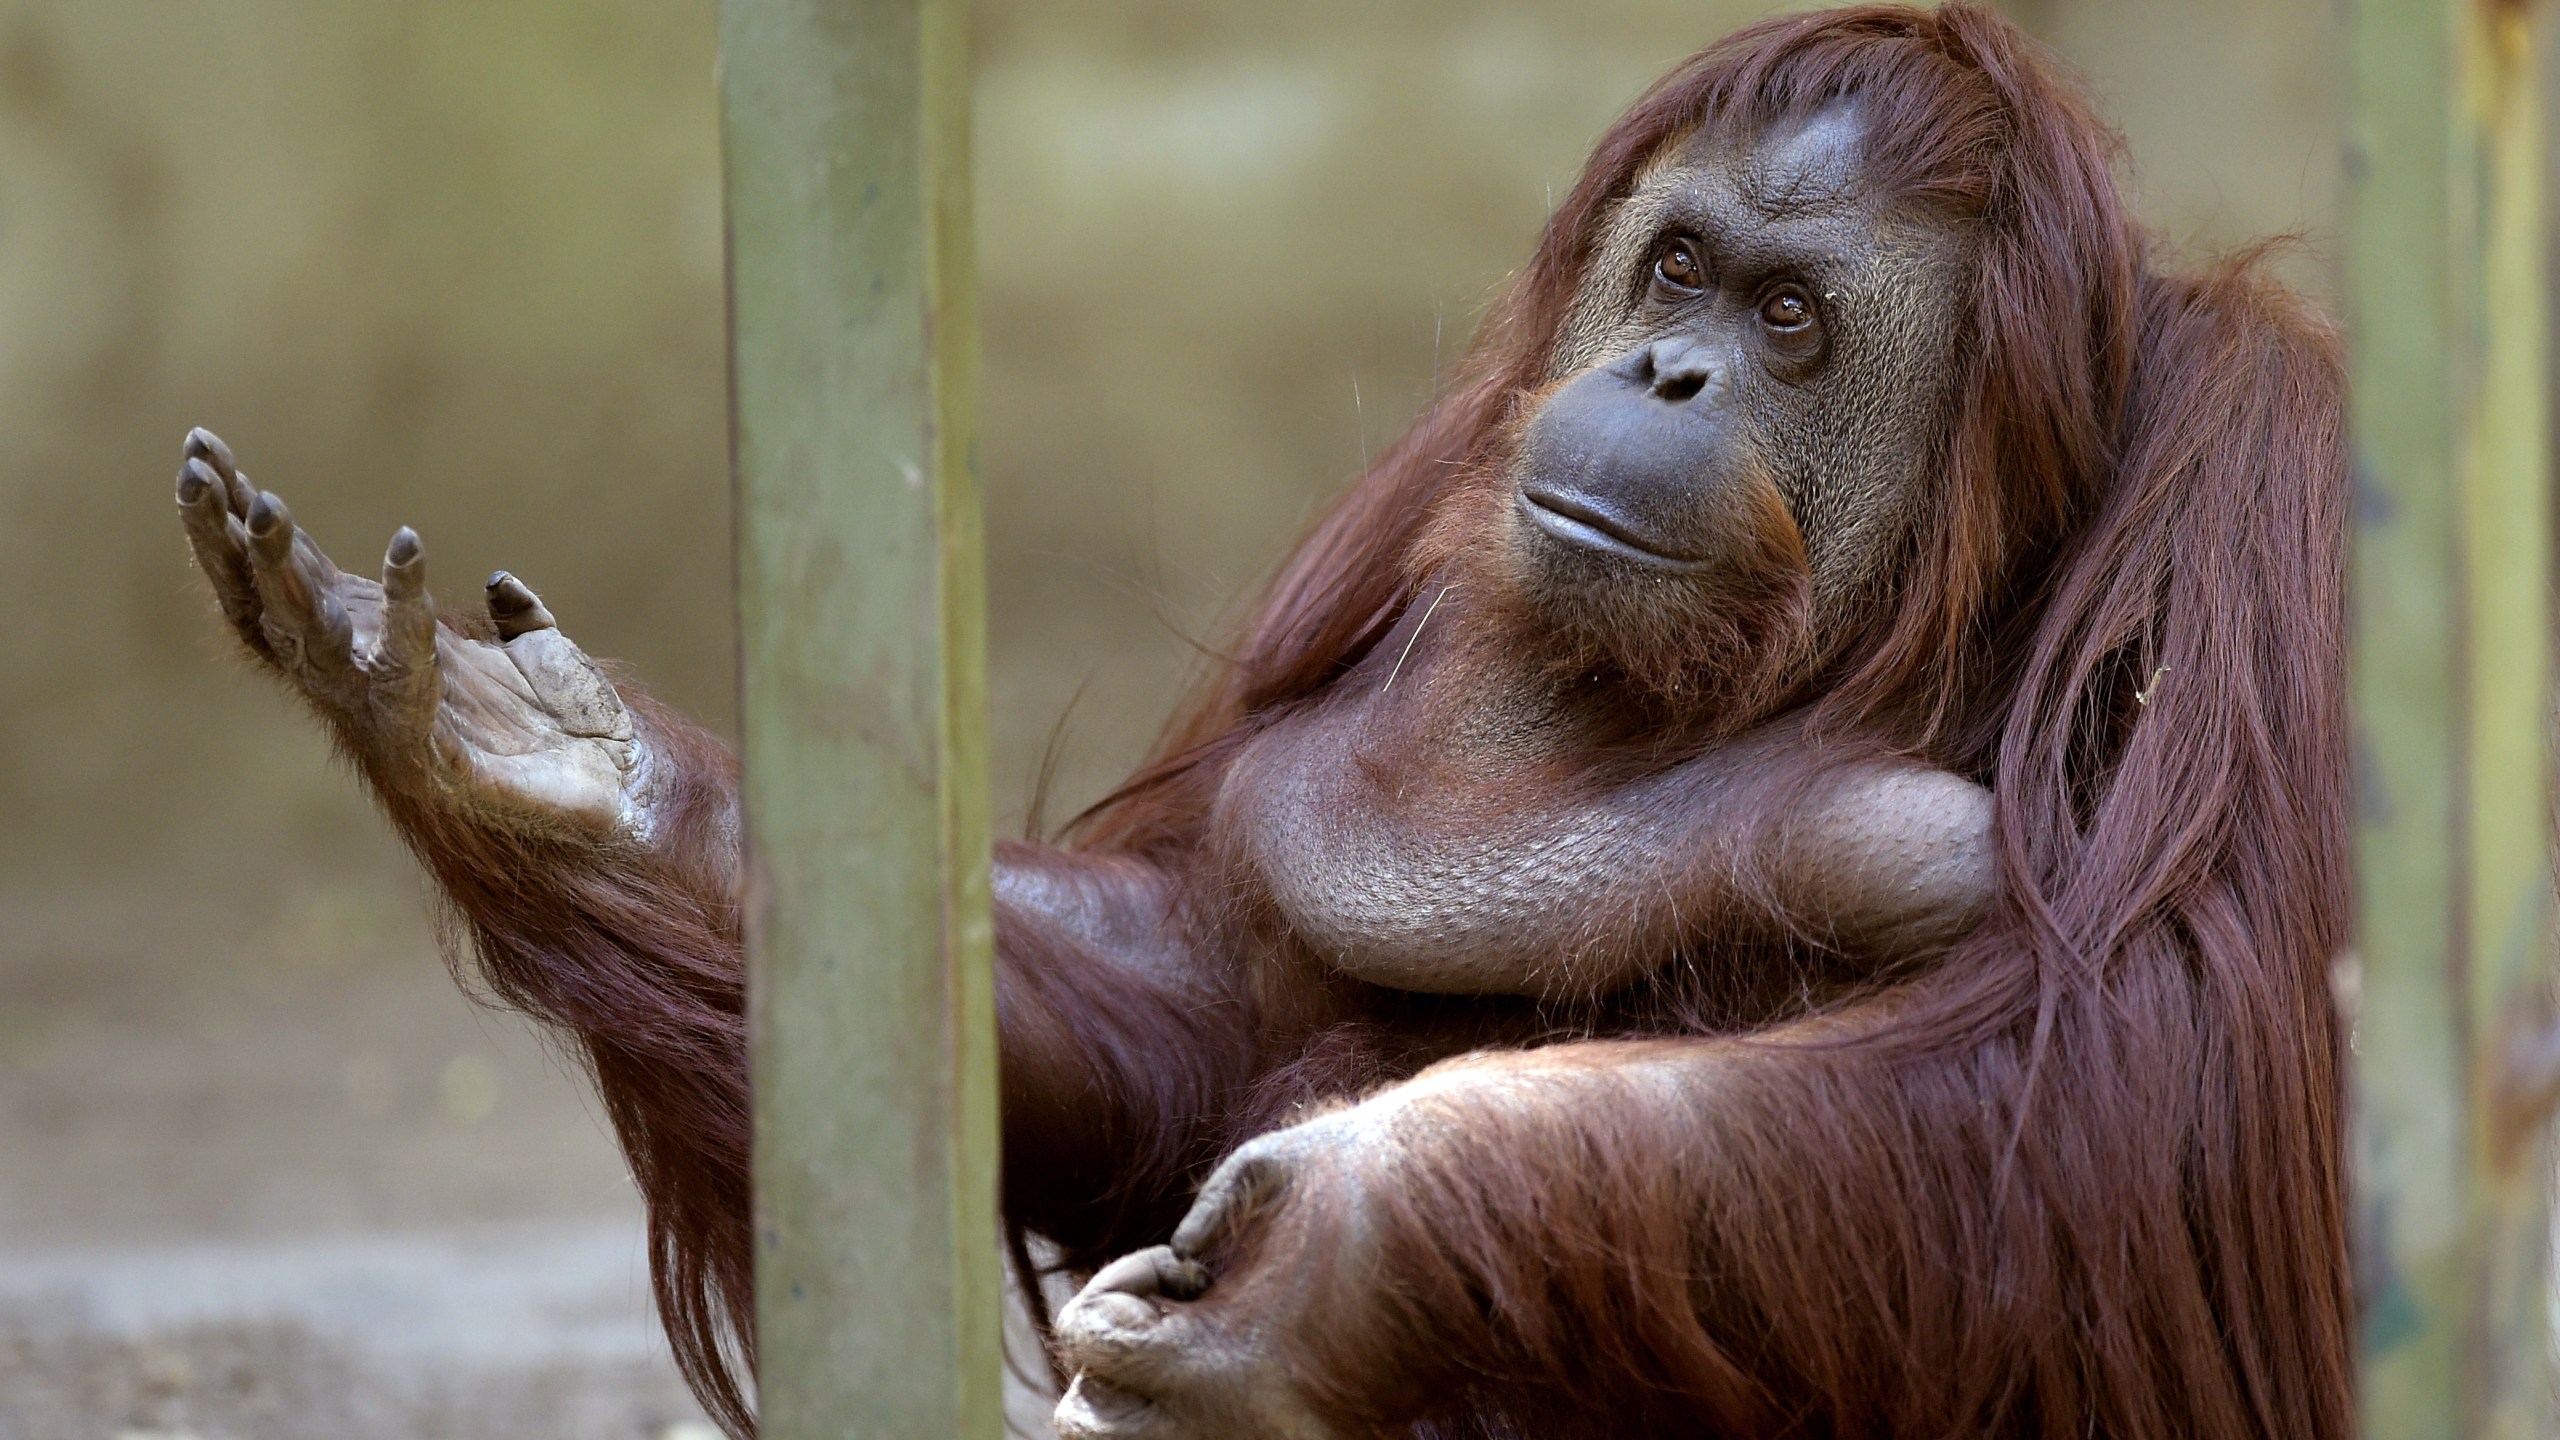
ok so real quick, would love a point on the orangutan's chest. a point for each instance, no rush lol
(1452, 874)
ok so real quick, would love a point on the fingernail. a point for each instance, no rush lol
(193, 482)
(404, 546)
(266, 514)
(1186, 1280)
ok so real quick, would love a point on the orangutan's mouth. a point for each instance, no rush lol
(1585, 526)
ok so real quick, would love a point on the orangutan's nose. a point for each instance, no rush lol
(1675, 369)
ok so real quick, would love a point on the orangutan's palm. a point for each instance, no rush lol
(519, 727)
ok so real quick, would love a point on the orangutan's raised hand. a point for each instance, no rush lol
(512, 725)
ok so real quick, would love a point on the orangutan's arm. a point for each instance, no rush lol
(1590, 1224)
(1420, 872)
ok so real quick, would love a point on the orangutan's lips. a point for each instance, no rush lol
(1579, 523)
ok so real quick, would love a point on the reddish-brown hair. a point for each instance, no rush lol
(635, 958)
(2120, 1099)
(2079, 1175)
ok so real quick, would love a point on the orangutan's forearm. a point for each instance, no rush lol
(632, 942)
(1454, 872)
(1880, 861)
(1700, 1182)
(633, 949)
(1885, 862)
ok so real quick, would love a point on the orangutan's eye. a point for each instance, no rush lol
(1677, 267)
(1786, 308)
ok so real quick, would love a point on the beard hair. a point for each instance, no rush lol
(1703, 654)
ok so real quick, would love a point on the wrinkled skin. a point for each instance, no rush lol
(1757, 344)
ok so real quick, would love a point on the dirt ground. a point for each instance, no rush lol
(280, 1180)
(285, 1182)
(271, 1378)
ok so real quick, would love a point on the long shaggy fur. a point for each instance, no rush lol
(2084, 1177)
(2081, 1175)
(634, 956)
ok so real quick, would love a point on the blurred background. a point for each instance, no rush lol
(264, 1172)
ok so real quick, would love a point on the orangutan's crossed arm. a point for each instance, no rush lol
(1589, 1224)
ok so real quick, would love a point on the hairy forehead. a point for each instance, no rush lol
(1794, 196)
(1805, 170)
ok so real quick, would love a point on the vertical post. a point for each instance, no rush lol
(861, 614)
(2445, 307)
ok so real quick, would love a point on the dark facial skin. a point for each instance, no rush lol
(1754, 318)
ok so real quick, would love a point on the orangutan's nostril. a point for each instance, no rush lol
(1674, 370)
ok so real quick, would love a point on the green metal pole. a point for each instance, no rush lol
(2445, 305)
(862, 627)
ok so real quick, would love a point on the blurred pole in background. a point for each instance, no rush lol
(2456, 1065)
(863, 711)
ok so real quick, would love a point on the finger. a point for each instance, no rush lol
(1236, 1191)
(1122, 1310)
(1153, 1271)
(297, 594)
(409, 619)
(578, 696)
(1095, 1409)
(404, 669)
(1134, 1273)
(515, 609)
(203, 444)
(221, 547)
(1138, 1360)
